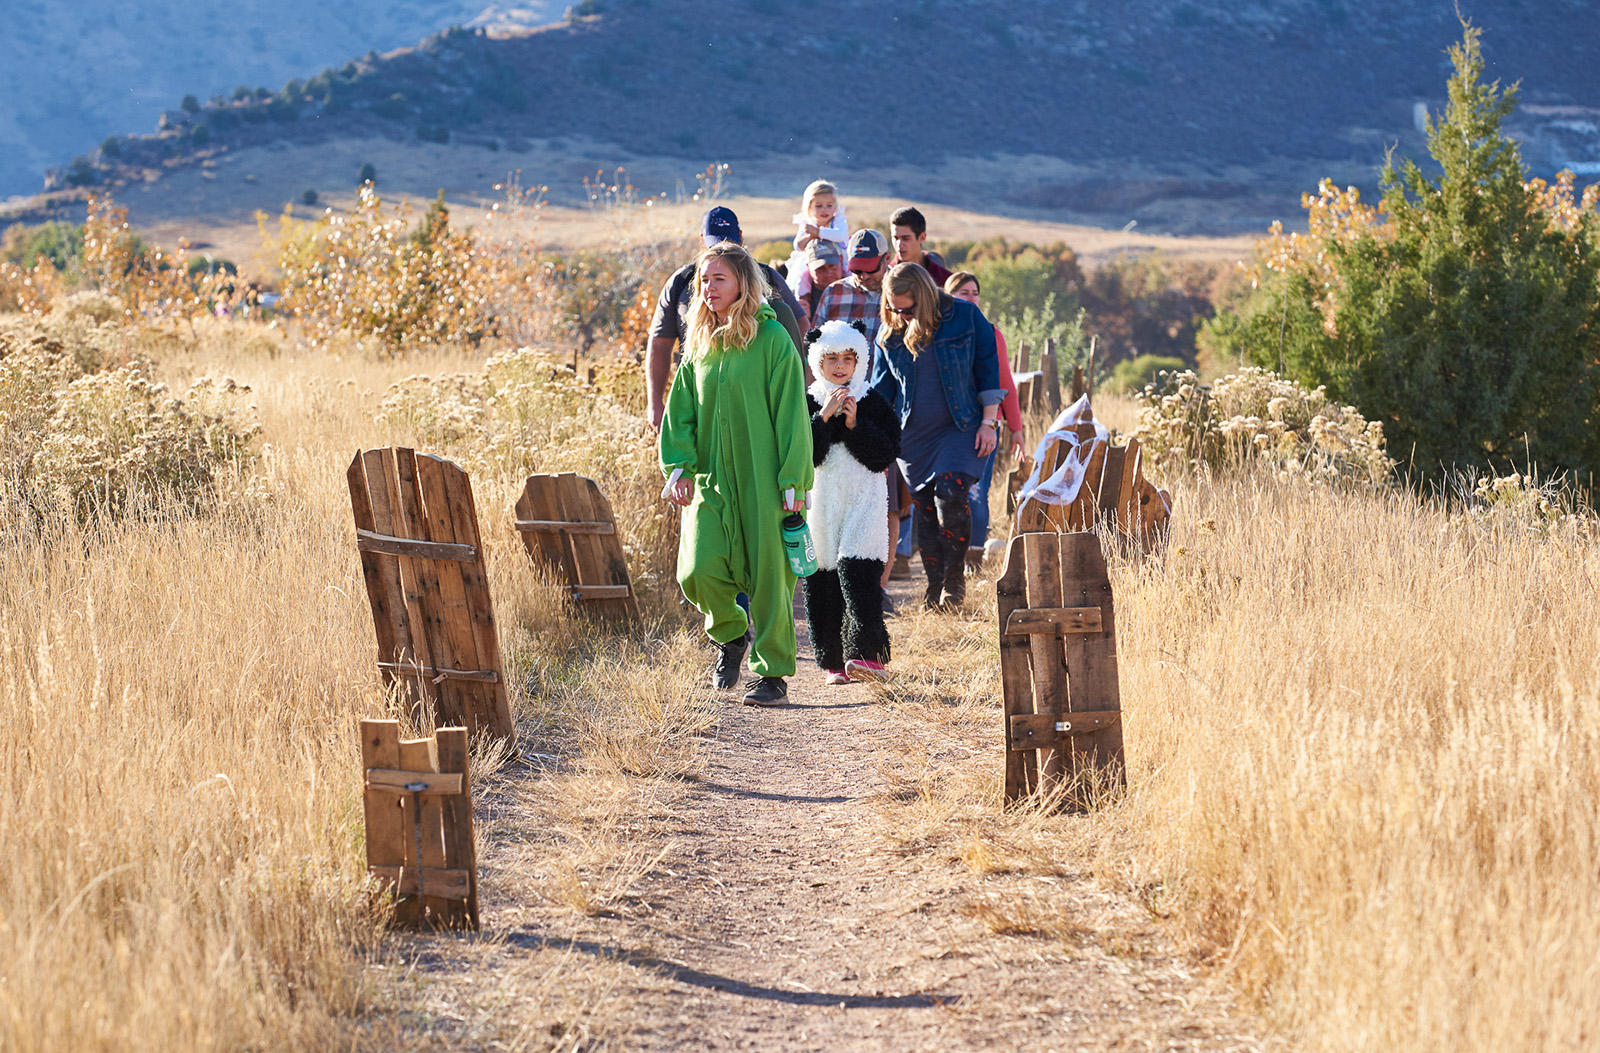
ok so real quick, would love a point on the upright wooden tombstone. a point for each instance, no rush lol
(421, 555)
(569, 528)
(418, 804)
(1058, 669)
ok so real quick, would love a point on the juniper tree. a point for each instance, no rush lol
(1464, 314)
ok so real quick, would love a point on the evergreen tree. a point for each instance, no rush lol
(1468, 322)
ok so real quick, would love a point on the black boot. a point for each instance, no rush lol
(930, 598)
(730, 656)
(767, 691)
(955, 583)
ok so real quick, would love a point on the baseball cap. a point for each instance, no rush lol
(826, 251)
(867, 247)
(720, 224)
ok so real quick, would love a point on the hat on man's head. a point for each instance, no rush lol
(720, 224)
(825, 251)
(867, 250)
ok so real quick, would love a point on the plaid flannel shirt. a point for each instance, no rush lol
(849, 301)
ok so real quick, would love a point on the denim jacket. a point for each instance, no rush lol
(969, 365)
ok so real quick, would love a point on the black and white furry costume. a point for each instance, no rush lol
(849, 516)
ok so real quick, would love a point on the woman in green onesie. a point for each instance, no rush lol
(736, 444)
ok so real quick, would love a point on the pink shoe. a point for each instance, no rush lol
(837, 677)
(865, 669)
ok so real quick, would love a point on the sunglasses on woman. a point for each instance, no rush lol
(904, 312)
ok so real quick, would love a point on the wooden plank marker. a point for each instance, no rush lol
(1058, 669)
(570, 530)
(418, 805)
(422, 558)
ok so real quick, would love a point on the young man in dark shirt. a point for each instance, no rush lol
(909, 230)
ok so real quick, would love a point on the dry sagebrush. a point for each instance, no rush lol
(1258, 418)
(99, 437)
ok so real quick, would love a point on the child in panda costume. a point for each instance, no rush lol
(855, 436)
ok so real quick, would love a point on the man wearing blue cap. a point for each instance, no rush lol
(670, 322)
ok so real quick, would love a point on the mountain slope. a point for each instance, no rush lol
(75, 71)
(1087, 111)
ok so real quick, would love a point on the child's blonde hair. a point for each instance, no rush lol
(816, 190)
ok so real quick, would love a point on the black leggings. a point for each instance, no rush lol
(845, 610)
(944, 524)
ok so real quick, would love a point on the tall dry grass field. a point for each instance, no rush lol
(182, 823)
(1363, 737)
(1363, 734)
(1365, 748)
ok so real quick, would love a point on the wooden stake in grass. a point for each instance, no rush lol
(1058, 668)
(422, 558)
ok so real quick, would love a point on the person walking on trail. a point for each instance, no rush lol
(910, 232)
(824, 265)
(937, 364)
(854, 438)
(856, 298)
(670, 321)
(736, 447)
(964, 285)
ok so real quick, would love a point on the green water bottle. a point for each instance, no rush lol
(797, 543)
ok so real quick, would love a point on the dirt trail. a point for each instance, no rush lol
(780, 918)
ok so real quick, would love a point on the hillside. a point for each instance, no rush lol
(1191, 116)
(75, 71)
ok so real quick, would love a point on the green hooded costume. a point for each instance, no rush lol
(736, 422)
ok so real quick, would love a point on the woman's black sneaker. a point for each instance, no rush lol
(730, 656)
(767, 691)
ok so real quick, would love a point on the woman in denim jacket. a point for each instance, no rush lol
(937, 365)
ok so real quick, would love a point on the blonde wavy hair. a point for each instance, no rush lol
(814, 191)
(928, 303)
(740, 327)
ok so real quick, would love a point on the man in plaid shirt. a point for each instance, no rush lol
(855, 297)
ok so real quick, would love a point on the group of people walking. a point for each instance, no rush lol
(863, 379)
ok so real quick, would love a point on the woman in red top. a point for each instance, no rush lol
(963, 285)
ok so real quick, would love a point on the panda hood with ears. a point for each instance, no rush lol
(836, 337)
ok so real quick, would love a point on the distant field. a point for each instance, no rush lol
(214, 205)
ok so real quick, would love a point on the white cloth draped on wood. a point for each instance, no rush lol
(1064, 483)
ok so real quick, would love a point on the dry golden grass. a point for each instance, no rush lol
(182, 822)
(1363, 742)
(1363, 739)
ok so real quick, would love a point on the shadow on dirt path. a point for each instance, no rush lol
(777, 916)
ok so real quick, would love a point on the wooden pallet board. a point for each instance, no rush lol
(1035, 515)
(1115, 492)
(1058, 668)
(417, 798)
(569, 529)
(422, 560)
